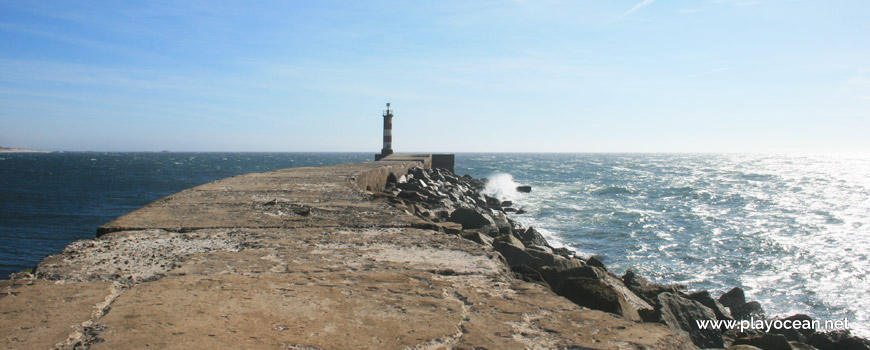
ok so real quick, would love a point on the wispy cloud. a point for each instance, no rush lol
(639, 6)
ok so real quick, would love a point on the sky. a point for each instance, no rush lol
(768, 76)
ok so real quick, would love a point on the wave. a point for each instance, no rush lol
(501, 186)
(612, 190)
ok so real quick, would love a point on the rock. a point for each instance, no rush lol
(529, 274)
(801, 346)
(707, 300)
(470, 218)
(593, 261)
(547, 250)
(733, 298)
(532, 237)
(505, 204)
(742, 347)
(556, 276)
(501, 222)
(822, 341)
(450, 227)
(838, 340)
(543, 258)
(477, 236)
(765, 341)
(513, 251)
(492, 202)
(524, 189)
(594, 294)
(413, 196)
(804, 319)
(521, 211)
(681, 313)
(747, 311)
(563, 252)
(797, 335)
(645, 289)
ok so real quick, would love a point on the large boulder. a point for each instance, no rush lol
(707, 300)
(733, 298)
(681, 313)
(647, 290)
(470, 218)
(594, 294)
(837, 340)
(532, 237)
(556, 276)
(800, 334)
(747, 311)
(513, 251)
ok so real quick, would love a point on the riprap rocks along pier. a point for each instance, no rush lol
(302, 258)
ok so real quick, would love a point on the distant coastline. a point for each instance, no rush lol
(19, 150)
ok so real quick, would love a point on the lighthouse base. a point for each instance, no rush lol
(434, 161)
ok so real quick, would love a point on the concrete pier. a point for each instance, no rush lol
(302, 258)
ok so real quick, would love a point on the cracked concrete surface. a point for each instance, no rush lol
(298, 258)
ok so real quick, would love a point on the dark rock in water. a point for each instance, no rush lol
(524, 189)
(509, 210)
(531, 236)
(748, 310)
(680, 313)
(521, 211)
(597, 295)
(506, 204)
(765, 341)
(470, 218)
(707, 300)
(528, 274)
(593, 261)
(733, 298)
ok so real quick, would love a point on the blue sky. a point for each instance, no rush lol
(462, 76)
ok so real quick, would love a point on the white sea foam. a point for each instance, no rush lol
(501, 186)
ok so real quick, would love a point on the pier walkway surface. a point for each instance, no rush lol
(301, 258)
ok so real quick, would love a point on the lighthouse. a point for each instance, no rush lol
(388, 132)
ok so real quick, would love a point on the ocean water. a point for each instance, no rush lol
(48, 200)
(793, 231)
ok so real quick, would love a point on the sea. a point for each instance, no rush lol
(792, 230)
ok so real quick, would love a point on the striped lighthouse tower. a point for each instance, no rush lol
(388, 132)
